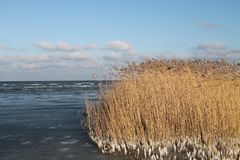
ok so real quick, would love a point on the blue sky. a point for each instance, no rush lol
(73, 39)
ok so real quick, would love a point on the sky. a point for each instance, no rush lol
(82, 39)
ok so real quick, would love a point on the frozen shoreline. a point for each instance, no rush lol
(179, 148)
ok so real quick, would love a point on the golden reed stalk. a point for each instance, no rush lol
(169, 109)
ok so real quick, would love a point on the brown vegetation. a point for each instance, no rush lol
(170, 109)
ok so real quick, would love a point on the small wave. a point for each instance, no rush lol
(52, 84)
(36, 84)
(26, 142)
(70, 141)
(70, 156)
(86, 145)
(63, 149)
(84, 84)
(66, 137)
(60, 86)
(46, 139)
(46, 86)
(88, 96)
(4, 137)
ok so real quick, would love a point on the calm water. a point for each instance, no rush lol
(39, 120)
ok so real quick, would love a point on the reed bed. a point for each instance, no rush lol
(169, 109)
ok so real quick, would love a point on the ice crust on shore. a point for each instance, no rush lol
(179, 148)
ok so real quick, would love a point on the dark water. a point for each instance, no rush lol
(39, 121)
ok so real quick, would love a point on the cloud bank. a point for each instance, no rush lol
(62, 47)
(217, 50)
(64, 57)
(46, 55)
(120, 46)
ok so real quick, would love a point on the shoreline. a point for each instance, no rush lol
(176, 148)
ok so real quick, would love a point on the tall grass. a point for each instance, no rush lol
(170, 109)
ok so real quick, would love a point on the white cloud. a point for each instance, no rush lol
(113, 51)
(112, 57)
(88, 47)
(5, 48)
(4, 58)
(47, 61)
(66, 47)
(63, 47)
(34, 58)
(78, 56)
(29, 66)
(216, 45)
(120, 46)
(64, 58)
(45, 45)
(207, 25)
(216, 51)
(172, 54)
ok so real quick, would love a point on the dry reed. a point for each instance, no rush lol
(170, 109)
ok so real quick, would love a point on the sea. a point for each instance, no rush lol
(42, 121)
